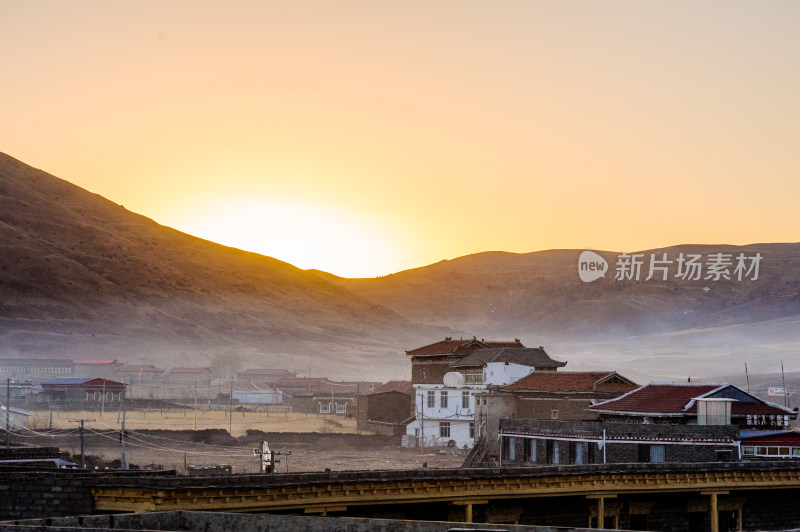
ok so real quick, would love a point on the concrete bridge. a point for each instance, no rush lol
(691, 496)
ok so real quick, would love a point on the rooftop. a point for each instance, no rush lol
(526, 356)
(395, 386)
(680, 398)
(463, 346)
(578, 381)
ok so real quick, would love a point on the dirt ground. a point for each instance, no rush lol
(189, 419)
(167, 439)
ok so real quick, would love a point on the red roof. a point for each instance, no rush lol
(579, 381)
(657, 398)
(676, 399)
(461, 346)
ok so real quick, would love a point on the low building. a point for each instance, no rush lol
(686, 403)
(17, 418)
(263, 377)
(35, 369)
(77, 391)
(548, 395)
(540, 442)
(388, 409)
(770, 445)
(142, 374)
(258, 397)
(329, 397)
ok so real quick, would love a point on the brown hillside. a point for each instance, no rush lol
(81, 276)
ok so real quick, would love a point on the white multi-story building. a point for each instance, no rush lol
(447, 375)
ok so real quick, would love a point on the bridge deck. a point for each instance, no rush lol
(322, 492)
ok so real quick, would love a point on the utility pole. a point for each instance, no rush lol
(195, 401)
(230, 410)
(122, 435)
(358, 406)
(422, 421)
(8, 412)
(83, 456)
(103, 399)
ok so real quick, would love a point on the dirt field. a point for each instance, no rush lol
(188, 419)
(167, 439)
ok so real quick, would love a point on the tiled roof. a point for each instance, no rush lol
(395, 386)
(74, 381)
(525, 356)
(461, 346)
(99, 361)
(740, 408)
(67, 381)
(669, 398)
(579, 381)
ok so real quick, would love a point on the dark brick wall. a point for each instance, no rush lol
(27, 495)
(618, 452)
(387, 407)
(430, 371)
(568, 409)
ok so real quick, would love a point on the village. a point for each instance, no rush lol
(484, 402)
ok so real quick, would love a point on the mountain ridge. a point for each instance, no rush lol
(81, 276)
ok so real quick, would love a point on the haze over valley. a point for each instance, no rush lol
(82, 277)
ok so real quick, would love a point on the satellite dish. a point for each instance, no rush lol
(453, 379)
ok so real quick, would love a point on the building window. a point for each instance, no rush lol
(512, 448)
(577, 453)
(554, 414)
(473, 376)
(444, 429)
(652, 453)
(464, 399)
(424, 373)
(748, 450)
(529, 451)
(341, 408)
(443, 399)
(324, 408)
(431, 399)
(472, 429)
(551, 448)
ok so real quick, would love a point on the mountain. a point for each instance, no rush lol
(82, 277)
(667, 329)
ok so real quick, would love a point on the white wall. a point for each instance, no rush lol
(501, 374)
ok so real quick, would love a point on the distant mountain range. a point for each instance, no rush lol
(82, 277)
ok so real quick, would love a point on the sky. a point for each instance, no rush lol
(364, 138)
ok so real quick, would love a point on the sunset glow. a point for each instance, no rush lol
(352, 246)
(364, 137)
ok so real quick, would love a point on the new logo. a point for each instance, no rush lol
(591, 266)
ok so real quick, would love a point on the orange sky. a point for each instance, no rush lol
(364, 138)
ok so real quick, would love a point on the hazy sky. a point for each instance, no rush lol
(368, 137)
